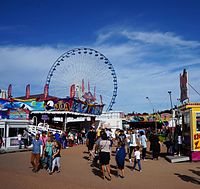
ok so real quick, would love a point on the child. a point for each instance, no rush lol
(120, 158)
(56, 156)
(137, 159)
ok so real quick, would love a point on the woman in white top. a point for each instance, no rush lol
(132, 144)
(104, 155)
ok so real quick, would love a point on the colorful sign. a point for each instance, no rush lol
(20, 109)
(196, 141)
(196, 135)
(165, 117)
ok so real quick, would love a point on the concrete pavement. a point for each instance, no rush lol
(78, 173)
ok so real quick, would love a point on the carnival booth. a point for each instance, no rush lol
(191, 129)
(9, 130)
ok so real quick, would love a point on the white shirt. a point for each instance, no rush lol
(105, 145)
(19, 136)
(133, 140)
(128, 138)
(137, 154)
(109, 133)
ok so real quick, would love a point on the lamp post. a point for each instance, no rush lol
(170, 97)
(153, 114)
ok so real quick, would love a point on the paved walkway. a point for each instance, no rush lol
(78, 173)
(13, 150)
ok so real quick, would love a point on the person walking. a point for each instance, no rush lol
(19, 137)
(48, 153)
(56, 157)
(137, 159)
(132, 144)
(155, 145)
(43, 138)
(143, 142)
(36, 153)
(91, 138)
(104, 155)
(120, 159)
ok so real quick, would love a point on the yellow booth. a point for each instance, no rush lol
(191, 129)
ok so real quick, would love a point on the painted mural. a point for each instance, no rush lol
(165, 117)
(20, 109)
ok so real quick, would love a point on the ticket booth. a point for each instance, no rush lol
(191, 130)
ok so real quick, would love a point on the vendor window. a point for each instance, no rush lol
(13, 132)
(198, 121)
(186, 125)
(2, 132)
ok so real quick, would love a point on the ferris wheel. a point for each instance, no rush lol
(88, 69)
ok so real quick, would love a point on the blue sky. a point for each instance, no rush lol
(149, 43)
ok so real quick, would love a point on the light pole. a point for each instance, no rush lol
(170, 97)
(153, 114)
(150, 103)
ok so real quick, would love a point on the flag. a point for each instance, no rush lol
(184, 86)
(83, 87)
(28, 91)
(46, 90)
(72, 91)
(10, 91)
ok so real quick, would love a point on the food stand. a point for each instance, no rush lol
(191, 129)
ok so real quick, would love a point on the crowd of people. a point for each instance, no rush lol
(132, 143)
(47, 147)
(46, 152)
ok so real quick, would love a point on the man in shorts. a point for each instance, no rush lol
(91, 138)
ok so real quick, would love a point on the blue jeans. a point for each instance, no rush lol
(137, 162)
(56, 161)
(20, 144)
(49, 162)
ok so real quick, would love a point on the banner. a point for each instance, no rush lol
(28, 91)
(72, 91)
(184, 86)
(10, 91)
(46, 90)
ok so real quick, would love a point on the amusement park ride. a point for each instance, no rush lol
(68, 73)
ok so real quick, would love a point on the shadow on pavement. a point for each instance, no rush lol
(113, 166)
(97, 172)
(188, 178)
(129, 167)
(86, 157)
(195, 172)
(113, 172)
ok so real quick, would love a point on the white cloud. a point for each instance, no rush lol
(146, 63)
(159, 38)
(21, 65)
(151, 68)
